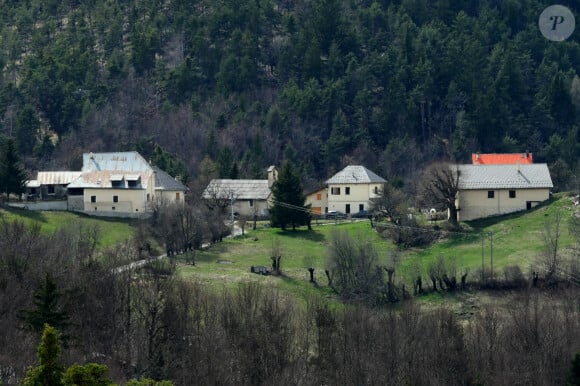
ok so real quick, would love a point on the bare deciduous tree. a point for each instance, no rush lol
(439, 186)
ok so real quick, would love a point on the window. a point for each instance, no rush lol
(132, 184)
(93, 198)
(490, 194)
(335, 191)
(251, 203)
(177, 196)
(50, 189)
(347, 190)
(361, 207)
(115, 198)
(347, 208)
(376, 190)
(113, 208)
(512, 194)
(319, 196)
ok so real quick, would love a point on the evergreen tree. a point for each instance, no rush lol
(27, 126)
(574, 374)
(12, 176)
(48, 372)
(289, 200)
(46, 311)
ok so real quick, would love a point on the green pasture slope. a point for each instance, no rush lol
(229, 262)
(112, 231)
(517, 240)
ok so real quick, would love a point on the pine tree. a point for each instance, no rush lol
(12, 176)
(289, 200)
(48, 372)
(46, 311)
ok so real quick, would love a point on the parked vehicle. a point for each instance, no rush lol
(334, 214)
(362, 214)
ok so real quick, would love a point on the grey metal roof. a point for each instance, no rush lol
(241, 189)
(102, 179)
(525, 176)
(56, 177)
(355, 174)
(164, 181)
(129, 161)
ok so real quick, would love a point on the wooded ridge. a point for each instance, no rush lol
(229, 87)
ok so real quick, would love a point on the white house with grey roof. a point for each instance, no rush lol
(490, 190)
(121, 184)
(351, 189)
(248, 197)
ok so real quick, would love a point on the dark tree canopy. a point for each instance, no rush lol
(12, 176)
(289, 200)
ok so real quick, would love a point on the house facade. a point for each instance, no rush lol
(120, 184)
(351, 189)
(318, 201)
(248, 198)
(491, 190)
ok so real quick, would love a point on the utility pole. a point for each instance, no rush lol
(491, 252)
(482, 255)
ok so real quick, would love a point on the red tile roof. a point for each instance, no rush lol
(501, 159)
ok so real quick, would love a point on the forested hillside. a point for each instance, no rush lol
(245, 84)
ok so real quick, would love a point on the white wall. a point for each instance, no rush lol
(474, 204)
(360, 194)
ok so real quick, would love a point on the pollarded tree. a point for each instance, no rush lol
(12, 175)
(289, 200)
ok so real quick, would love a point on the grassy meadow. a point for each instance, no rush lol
(517, 240)
(112, 231)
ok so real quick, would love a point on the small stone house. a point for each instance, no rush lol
(248, 198)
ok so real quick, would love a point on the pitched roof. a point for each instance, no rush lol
(164, 181)
(241, 189)
(524, 176)
(500, 159)
(355, 174)
(129, 161)
(104, 178)
(56, 177)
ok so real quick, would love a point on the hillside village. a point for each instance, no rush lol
(124, 184)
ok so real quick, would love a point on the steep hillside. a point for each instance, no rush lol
(390, 84)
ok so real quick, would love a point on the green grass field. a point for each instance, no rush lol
(517, 240)
(112, 231)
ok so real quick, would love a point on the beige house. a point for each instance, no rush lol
(490, 190)
(121, 184)
(351, 189)
(247, 198)
(318, 201)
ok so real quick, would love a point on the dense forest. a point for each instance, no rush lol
(228, 87)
